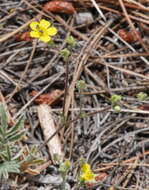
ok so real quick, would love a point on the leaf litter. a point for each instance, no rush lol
(111, 56)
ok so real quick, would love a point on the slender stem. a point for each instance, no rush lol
(80, 95)
(66, 83)
(63, 183)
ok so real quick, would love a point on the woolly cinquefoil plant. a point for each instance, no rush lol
(9, 151)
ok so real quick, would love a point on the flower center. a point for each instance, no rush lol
(41, 30)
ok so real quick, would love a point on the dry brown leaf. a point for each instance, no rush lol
(23, 37)
(43, 166)
(47, 98)
(35, 171)
(32, 171)
(143, 107)
(129, 36)
(59, 6)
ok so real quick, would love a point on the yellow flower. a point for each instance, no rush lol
(85, 167)
(87, 176)
(86, 173)
(42, 30)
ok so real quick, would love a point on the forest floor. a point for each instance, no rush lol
(84, 95)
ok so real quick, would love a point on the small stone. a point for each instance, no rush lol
(84, 18)
(51, 179)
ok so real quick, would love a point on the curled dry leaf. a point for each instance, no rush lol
(23, 37)
(32, 171)
(59, 6)
(33, 166)
(37, 170)
(26, 168)
(129, 36)
(48, 98)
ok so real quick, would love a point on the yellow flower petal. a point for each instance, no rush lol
(85, 167)
(34, 34)
(52, 31)
(44, 24)
(45, 38)
(34, 25)
(87, 176)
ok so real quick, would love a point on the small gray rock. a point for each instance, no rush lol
(51, 179)
(84, 18)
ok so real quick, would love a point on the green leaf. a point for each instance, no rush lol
(117, 108)
(8, 153)
(70, 40)
(1, 139)
(16, 137)
(81, 85)
(3, 155)
(1, 131)
(65, 53)
(8, 167)
(115, 99)
(4, 120)
(141, 96)
(64, 167)
(19, 125)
